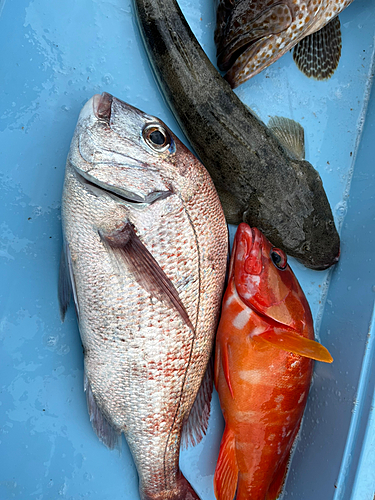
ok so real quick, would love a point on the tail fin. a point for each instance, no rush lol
(182, 491)
(226, 472)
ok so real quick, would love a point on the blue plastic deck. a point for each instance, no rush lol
(55, 56)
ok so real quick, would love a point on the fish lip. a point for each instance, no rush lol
(322, 267)
(226, 58)
(102, 106)
(120, 194)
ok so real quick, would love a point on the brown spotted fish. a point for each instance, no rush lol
(252, 34)
(145, 257)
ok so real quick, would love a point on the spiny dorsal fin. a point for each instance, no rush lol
(318, 54)
(128, 247)
(196, 426)
(290, 134)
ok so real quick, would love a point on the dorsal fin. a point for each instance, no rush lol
(196, 426)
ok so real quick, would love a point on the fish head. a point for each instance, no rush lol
(252, 35)
(314, 239)
(130, 155)
(265, 282)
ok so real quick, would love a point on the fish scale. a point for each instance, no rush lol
(144, 364)
(262, 32)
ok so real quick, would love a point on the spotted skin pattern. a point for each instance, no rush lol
(259, 32)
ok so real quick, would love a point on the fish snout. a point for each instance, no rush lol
(102, 105)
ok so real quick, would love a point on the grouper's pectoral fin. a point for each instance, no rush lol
(129, 248)
(66, 286)
(105, 430)
(318, 54)
(292, 342)
(196, 425)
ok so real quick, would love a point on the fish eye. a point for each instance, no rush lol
(157, 137)
(305, 247)
(278, 257)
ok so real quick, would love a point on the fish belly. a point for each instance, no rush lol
(270, 388)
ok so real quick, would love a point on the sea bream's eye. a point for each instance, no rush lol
(157, 137)
(278, 257)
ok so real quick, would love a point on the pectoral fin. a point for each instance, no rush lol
(129, 248)
(290, 341)
(318, 54)
(290, 134)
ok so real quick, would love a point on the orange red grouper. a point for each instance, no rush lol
(263, 368)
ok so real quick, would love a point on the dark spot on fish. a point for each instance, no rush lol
(351, 153)
(29, 218)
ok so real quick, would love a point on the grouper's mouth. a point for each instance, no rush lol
(229, 55)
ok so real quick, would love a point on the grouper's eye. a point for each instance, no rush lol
(157, 137)
(278, 257)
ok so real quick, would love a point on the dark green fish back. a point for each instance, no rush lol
(247, 163)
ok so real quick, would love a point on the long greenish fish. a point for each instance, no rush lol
(250, 35)
(259, 172)
(145, 256)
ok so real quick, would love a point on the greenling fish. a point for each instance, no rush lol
(259, 172)
(145, 257)
(250, 35)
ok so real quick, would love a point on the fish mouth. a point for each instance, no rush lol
(119, 194)
(102, 106)
(321, 267)
(229, 55)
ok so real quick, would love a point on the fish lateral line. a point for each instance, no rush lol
(127, 246)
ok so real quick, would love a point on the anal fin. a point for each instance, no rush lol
(66, 285)
(105, 430)
(292, 342)
(226, 472)
(318, 54)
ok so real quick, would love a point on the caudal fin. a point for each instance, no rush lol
(226, 472)
(182, 491)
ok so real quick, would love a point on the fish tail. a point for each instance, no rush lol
(226, 472)
(181, 491)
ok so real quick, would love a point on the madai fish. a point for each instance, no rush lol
(145, 256)
(259, 172)
(263, 367)
(252, 34)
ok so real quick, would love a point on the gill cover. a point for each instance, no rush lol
(266, 284)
